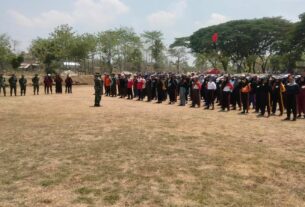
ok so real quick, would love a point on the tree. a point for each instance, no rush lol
(153, 39)
(62, 39)
(108, 42)
(5, 50)
(44, 51)
(16, 61)
(298, 41)
(180, 54)
(243, 40)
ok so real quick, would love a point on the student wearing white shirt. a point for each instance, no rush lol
(211, 88)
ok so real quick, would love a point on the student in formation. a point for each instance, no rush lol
(211, 90)
(172, 89)
(301, 97)
(292, 90)
(107, 83)
(277, 90)
(227, 89)
(183, 85)
(245, 95)
(129, 87)
(196, 88)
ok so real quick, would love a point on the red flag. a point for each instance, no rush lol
(215, 37)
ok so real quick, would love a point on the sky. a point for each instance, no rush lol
(24, 20)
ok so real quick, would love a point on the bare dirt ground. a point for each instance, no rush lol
(56, 150)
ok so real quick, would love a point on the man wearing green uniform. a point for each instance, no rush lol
(22, 83)
(2, 84)
(13, 84)
(98, 90)
(35, 82)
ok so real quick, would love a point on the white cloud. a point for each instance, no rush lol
(44, 20)
(167, 18)
(90, 12)
(214, 19)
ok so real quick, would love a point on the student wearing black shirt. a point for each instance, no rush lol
(292, 90)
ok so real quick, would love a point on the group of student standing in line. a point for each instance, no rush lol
(48, 82)
(265, 94)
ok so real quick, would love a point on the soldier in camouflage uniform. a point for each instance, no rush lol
(35, 82)
(98, 90)
(13, 84)
(2, 84)
(22, 83)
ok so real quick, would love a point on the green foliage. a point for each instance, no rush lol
(5, 50)
(16, 61)
(243, 41)
(153, 39)
(180, 56)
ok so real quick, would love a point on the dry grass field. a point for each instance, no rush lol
(56, 150)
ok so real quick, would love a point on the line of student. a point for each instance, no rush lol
(265, 94)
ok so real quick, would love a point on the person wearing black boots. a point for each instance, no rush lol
(277, 89)
(245, 95)
(292, 90)
(265, 98)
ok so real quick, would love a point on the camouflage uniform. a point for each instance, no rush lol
(2, 84)
(35, 82)
(98, 90)
(13, 85)
(22, 83)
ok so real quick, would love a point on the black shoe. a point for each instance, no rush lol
(287, 119)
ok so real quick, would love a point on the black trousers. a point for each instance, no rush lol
(36, 89)
(245, 101)
(210, 98)
(172, 95)
(258, 102)
(148, 94)
(291, 105)
(107, 90)
(235, 98)
(129, 93)
(277, 99)
(58, 88)
(153, 93)
(140, 93)
(226, 96)
(13, 89)
(265, 102)
(4, 90)
(47, 89)
(68, 89)
(160, 96)
(23, 90)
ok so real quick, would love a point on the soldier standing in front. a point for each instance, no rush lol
(98, 90)
(2, 84)
(35, 82)
(13, 84)
(22, 83)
